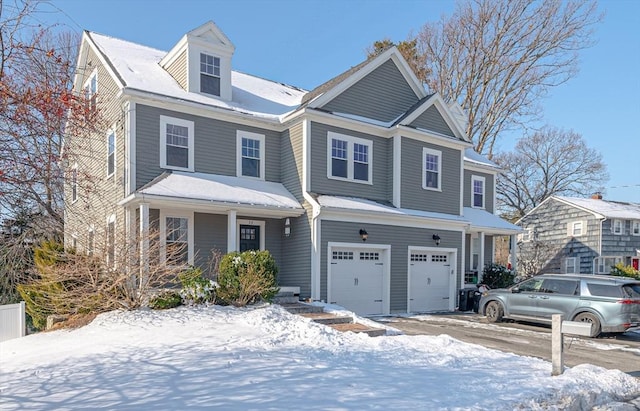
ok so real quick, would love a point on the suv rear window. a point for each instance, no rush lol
(605, 290)
(631, 290)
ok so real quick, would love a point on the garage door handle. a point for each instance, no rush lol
(544, 297)
(377, 301)
(355, 281)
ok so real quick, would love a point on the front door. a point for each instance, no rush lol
(249, 237)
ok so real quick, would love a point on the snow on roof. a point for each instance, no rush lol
(483, 219)
(139, 67)
(609, 209)
(359, 204)
(223, 189)
(472, 156)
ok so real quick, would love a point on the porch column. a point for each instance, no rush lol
(481, 256)
(232, 232)
(513, 252)
(144, 243)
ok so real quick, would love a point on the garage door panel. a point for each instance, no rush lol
(357, 280)
(430, 280)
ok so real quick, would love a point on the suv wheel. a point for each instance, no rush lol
(494, 312)
(590, 318)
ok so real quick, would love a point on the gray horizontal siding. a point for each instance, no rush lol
(413, 196)
(381, 166)
(178, 69)
(210, 234)
(489, 187)
(383, 94)
(400, 238)
(295, 270)
(432, 120)
(215, 145)
(291, 160)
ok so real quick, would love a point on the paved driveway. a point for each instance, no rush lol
(621, 352)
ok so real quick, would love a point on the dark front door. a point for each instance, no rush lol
(249, 237)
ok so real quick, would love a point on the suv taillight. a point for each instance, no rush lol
(629, 301)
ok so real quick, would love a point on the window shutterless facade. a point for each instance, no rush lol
(570, 265)
(251, 155)
(576, 228)
(176, 144)
(432, 169)
(477, 192)
(209, 74)
(349, 158)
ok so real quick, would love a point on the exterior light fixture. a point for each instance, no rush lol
(363, 234)
(436, 238)
(287, 227)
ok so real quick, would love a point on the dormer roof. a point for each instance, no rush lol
(207, 35)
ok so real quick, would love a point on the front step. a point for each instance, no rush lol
(359, 328)
(328, 318)
(286, 297)
(301, 308)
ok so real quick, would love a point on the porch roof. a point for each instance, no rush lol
(219, 192)
(482, 220)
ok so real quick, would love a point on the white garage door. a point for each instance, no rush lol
(356, 279)
(429, 281)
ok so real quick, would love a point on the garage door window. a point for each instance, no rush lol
(439, 258)
(369, 256)
(343, 255)
(419, 257)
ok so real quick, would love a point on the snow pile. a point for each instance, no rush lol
(265, 358)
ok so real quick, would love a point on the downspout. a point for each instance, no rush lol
(315, 215)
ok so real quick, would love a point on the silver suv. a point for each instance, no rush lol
(611, 304)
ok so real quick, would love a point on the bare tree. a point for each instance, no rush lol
(498, 58)
(550, 162)
(534, 256)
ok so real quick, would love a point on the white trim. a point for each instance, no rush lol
(75, 194)
(351, 141)
(98, 53)
(438, 153)
(622, 226)
(475, 178)
(111, 132)
(364, 217)
(437, 101)
(232, 231)
(571, 228)
(635, 227)
(240, 134)
(462, 177)
(164, 120)
(130, 146)
(260, 223)
(397, 170)
(453, 259)
(566, 265)
(111, 219)
(386, 272)
(164, 213)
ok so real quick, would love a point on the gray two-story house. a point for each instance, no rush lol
(366, 190)
(581, 235)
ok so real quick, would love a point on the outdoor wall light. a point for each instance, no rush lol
(363, 234)
(436, 238)
(287, 227)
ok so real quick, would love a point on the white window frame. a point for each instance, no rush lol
(111, 220)
(260, 223)
(635, 227)
(109, 134)
(526, 236)
(473, 193)
(433, 152)
(240, 134)
(350, 160)
(573, 260)
(164, 213)
(602, 262)
(200, 72)
(88, 93)
(572, 227)
(74, 183)
(164, 120)
(614, 224)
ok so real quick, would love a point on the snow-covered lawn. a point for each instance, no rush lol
(265, 358)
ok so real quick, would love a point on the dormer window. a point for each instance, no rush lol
(209, 74)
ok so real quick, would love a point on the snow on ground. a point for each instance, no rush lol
(267, 359)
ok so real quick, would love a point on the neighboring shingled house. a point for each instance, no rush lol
(582, 235)
(366, 190)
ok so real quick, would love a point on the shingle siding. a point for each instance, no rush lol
(413, 196)
(383, 94)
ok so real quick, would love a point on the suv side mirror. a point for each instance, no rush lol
(515, 290)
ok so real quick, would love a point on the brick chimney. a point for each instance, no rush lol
(596, 196)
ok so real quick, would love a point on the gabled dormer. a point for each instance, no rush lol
(201, 62)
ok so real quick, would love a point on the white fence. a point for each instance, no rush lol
(12, 321)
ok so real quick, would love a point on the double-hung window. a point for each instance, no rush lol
(576, 228)
(90, 90)
(250, 157)
(477, 191)
(209, 74)
(432, 169)
(570, 265)
(349, 158)
(617, 227)
(111, 153)
(635, 228)
(177, 240)
(176, 144)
